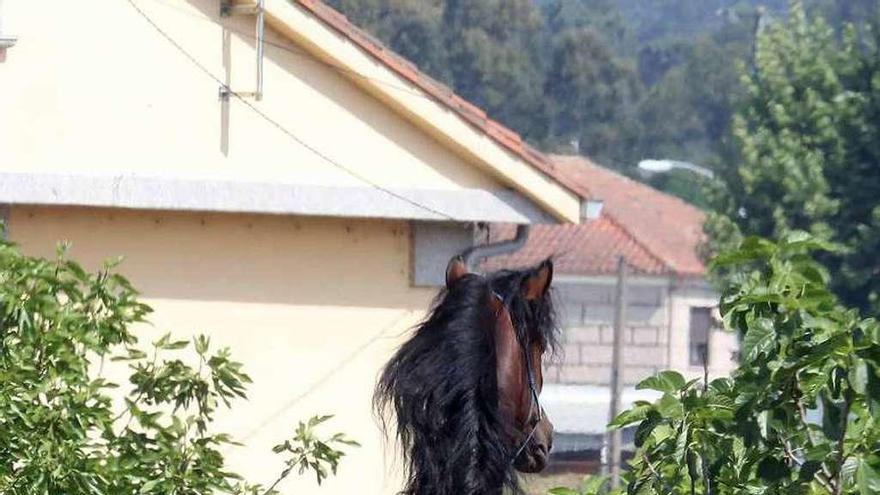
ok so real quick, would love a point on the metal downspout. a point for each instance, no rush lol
(473, 255)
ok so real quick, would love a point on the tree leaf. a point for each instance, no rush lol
(630, 416)
(858, 376)
(665, 381)
(759, 339)
(561, 490)
(867, 479)
(772, 469)
(681, 443)
(832, 412)
(645, 427)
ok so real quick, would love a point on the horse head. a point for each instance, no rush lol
(519, 352)
(465, 387)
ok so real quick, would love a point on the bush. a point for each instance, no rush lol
(800, 413)
(798, 416)
(60, 429)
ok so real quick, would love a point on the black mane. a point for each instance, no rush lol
(442, 386)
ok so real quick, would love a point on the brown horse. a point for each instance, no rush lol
(465, 387)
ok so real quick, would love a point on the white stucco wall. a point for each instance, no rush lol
(722, 344)
(92, 88)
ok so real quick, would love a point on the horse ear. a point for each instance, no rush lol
(454, 271)
(509, 372)
(536, 284)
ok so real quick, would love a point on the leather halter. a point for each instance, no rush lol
(534, 402)
(534, 405)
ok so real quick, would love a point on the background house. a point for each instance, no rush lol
(671, 307)
(305, 228)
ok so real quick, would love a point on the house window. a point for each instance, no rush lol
(700, 327)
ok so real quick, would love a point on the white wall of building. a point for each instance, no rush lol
(656, 332)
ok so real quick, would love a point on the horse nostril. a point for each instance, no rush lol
(542, 449)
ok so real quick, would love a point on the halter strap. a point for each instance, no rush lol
(534, 401)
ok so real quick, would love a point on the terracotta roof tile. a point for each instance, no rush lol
(587, 249)
(442, 94)
(656, 232)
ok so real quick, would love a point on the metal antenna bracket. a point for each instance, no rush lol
(228, 9)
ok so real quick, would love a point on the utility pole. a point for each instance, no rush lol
(614, 437)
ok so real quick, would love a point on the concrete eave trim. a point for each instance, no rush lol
(322, 41)
(158, 193)
(7, 41)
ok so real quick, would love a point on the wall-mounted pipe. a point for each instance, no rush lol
(258, 9)
(261, 8)
(473, 255)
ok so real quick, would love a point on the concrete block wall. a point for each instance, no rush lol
(656, 333)
(587, 316)
(586, 354)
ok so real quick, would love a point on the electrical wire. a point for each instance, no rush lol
(297, 52)
(278, 125)
(616, 164)
(330, 373)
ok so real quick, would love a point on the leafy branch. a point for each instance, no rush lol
(308, 452)
(61, 431)
(799, 414)
(804, 358)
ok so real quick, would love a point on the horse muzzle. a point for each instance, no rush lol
(535, 457)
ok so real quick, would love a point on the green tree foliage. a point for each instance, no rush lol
(807, 149)
(542, 69)
(687, 113)
(799, 415)
(622, 82)
(841, 12)
(63, 428)
(494, 60)
(623, 79)
(590, 485)
(602, 16)
(585, 77)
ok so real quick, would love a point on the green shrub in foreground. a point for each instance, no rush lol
(799, 415)
(60, 430)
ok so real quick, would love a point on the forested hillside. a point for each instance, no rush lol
(617, 80)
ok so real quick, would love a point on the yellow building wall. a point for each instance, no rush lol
(312, 307)
(92, 88)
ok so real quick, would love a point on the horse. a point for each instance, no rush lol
(465, 386)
